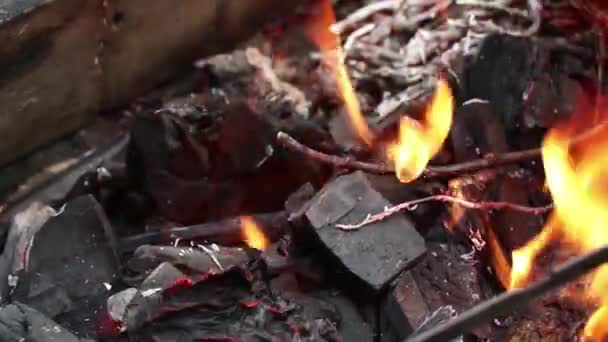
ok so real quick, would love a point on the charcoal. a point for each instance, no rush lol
(204, 259)
(245, 139)
(297, 203)
(19, 322)
(165, 161)
(275, 261)
(230, 70)
(443, 278)
(164, 276)
(24, 227)
(435, 290)
(160, 143)
(342, 132)
(438, 317)
(503, 70)
(552, 98)
(295, 317)
(476, 132)
(247, 153)
(190, 202)
(405, 307)
(70, 265)
(132, 308)
(376, 253)
(396, 192)
(128, 308)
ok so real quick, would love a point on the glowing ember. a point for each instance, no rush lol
(577, 178)
(331, 49)
(252, 234)
(420, 141)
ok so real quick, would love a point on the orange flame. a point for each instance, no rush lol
(329, 43)
(577, 178)
(419, 142)
(252, 234)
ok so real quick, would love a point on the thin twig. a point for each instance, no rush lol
(292, 144)
(356, 34)
(362, 14)
(493, 5)
(411, 205)
(432, 171)
(514, 299)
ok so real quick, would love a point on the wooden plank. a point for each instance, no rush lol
(65, 60)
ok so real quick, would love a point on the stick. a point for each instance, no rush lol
(509, 301)
(410, 205)
(362, 14)
(224, 232)
(432, 171)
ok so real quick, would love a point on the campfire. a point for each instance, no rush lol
(390, 170)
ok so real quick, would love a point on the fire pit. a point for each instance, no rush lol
(390, 170)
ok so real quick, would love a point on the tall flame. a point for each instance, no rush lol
(577, 178)
(252, 234)
(420, 141)
(331, 49)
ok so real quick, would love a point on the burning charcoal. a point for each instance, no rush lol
(125, 308)
(375, 253)
(204, 259)
(132, 308)
(24, 227)
(164, 276)
(19, 322)
(69, 265)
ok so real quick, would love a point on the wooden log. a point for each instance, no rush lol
(65, 60)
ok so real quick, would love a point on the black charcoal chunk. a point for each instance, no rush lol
(377, 252)
(70, 266)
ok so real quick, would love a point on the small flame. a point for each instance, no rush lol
(331, 49)
(419, 142)
(577, 178)
(252, 234)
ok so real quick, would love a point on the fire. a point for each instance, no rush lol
(331, 49)
(252, 234)
(576, 177)
(420, 141)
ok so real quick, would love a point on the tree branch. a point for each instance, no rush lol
(431, 171)
(434, 171)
